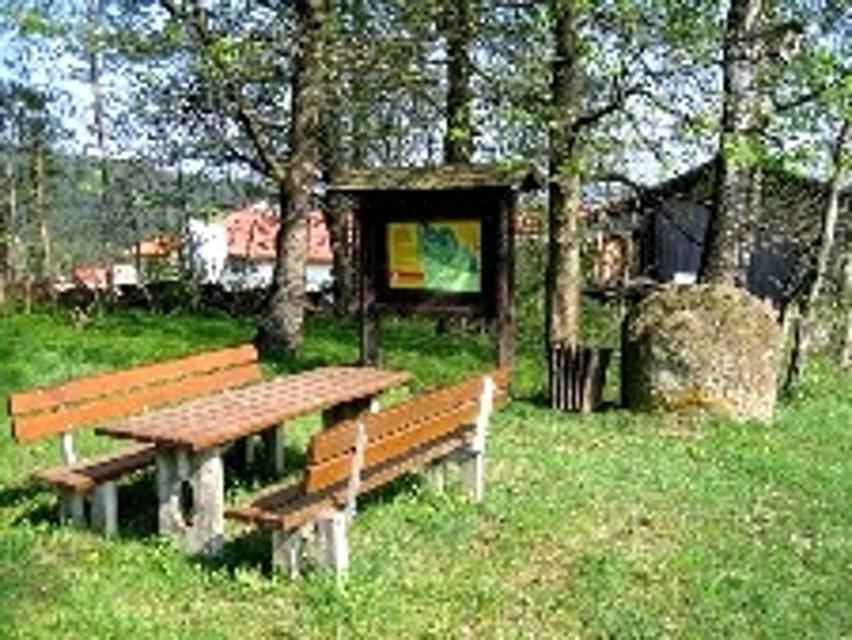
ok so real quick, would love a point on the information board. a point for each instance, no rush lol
(436, 255)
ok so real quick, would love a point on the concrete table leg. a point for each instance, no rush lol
(273, 444)
(191, 493)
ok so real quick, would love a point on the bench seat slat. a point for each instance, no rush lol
(85, 476)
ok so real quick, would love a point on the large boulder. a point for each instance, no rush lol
(703, 347)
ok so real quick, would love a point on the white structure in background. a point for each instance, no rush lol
(238, 250)
(206, 250)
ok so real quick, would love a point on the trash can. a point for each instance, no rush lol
(576, 375)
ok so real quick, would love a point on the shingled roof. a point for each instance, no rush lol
(523, 177)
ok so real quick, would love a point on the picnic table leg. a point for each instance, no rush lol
(190, 488)
(248, 450)
(273, 444)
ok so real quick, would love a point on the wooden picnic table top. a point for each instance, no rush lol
(218, 419)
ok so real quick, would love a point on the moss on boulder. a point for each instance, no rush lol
(702, 348)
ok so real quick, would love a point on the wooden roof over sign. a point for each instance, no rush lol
(523, 177)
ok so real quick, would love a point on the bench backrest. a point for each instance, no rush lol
(111, 396)
(398, 430)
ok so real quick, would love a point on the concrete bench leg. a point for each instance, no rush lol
(334, 543)
(72, 508)
(436, 475)
(472, 469)
(273, 443)
(105, 509)
(191, 494)
(287, 552)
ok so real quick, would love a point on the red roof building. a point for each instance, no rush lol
(252, 232)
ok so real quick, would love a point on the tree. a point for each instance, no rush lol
(282, 327)
(732, 230)
(243, 67)
(563, 274)
(457, 22)
(840, 159)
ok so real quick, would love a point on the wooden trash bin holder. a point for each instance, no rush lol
(576, 376)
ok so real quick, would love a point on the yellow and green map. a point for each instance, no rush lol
(437, 255)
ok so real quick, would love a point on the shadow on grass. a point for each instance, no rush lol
(258, 474)
(11, 496)
(541, 400)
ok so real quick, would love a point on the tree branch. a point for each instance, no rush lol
(266, 161)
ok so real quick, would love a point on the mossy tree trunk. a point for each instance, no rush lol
(281, 329)
(336, 209)
(563, 267)
(826, 247)
(458, 28)
(39, 182)
(846, 351)
(5, 227)
(732, 233)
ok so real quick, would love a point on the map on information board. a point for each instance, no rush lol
(435, 255)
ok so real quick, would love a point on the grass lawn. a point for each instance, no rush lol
(615, 525)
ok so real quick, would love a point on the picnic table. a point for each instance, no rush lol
(189, 439)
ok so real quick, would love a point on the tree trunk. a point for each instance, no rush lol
(458, 27)
(804, 324)
(13, 258)
(338, 214)
(846, 351)
(96, 12)
(336, 210)
(829, 228)
(732, 233)
(281, 330)
(360, 90)
(456, 22)
(5, 230)
(564, 277)
(45, 266)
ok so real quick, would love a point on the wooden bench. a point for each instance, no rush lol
(87, 488)
(357, 456)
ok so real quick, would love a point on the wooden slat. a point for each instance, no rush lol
(85, 476)
(84, 389)
(216, 420)
(338, 440)
(287, 508)
(320, 476)
(101, 410)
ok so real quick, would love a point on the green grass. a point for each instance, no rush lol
(615, 525)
